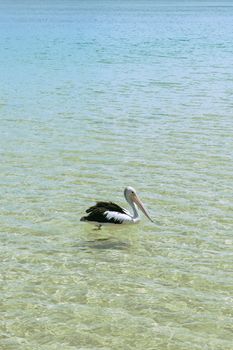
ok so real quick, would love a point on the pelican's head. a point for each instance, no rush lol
(132, 197)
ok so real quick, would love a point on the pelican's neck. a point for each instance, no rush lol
(135, 215)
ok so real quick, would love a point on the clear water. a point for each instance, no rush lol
(94, 96)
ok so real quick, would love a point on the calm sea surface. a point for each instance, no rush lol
(94, 96)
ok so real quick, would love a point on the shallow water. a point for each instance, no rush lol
(95, 96)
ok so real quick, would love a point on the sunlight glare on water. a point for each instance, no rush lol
(95, 96)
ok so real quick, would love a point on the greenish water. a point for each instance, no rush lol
(95, 96)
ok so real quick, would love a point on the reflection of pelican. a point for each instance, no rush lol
(108, 213)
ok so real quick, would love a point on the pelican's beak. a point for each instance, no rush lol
(141, 206)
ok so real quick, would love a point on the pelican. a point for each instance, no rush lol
(108, 213)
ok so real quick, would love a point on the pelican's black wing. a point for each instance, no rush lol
(110, 206)
(97, 213)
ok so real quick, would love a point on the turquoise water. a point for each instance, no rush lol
(94, 96)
